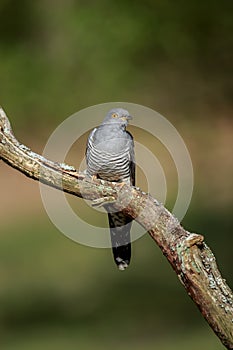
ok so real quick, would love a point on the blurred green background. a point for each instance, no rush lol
(57, 57)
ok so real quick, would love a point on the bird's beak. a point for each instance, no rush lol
(128, 117)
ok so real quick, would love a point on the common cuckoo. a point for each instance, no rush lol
(110, 156)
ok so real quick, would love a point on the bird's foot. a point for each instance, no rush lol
(120, 185)
(99, 202)
(90, 177)
(94, 177)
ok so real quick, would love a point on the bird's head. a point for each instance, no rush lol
(117, 116)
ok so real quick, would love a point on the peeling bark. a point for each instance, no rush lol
(190, 257)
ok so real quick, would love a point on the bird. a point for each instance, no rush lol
(110, 156)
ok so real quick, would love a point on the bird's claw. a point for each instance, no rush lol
(120, 185)
(99, 202)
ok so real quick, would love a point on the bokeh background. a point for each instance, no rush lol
(57, 57)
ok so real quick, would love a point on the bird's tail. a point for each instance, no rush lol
(120, 226)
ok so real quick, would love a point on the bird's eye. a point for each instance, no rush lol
(114, 115)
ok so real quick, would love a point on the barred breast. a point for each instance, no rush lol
(108, 166)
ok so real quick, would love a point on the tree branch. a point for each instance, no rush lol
(190, 257)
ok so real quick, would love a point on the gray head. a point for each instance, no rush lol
(117, 116)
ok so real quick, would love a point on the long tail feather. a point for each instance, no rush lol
(120, 226)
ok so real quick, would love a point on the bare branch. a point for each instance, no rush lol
(190, 257)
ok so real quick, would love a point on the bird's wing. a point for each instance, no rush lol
(132, 159)
(90, 142)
